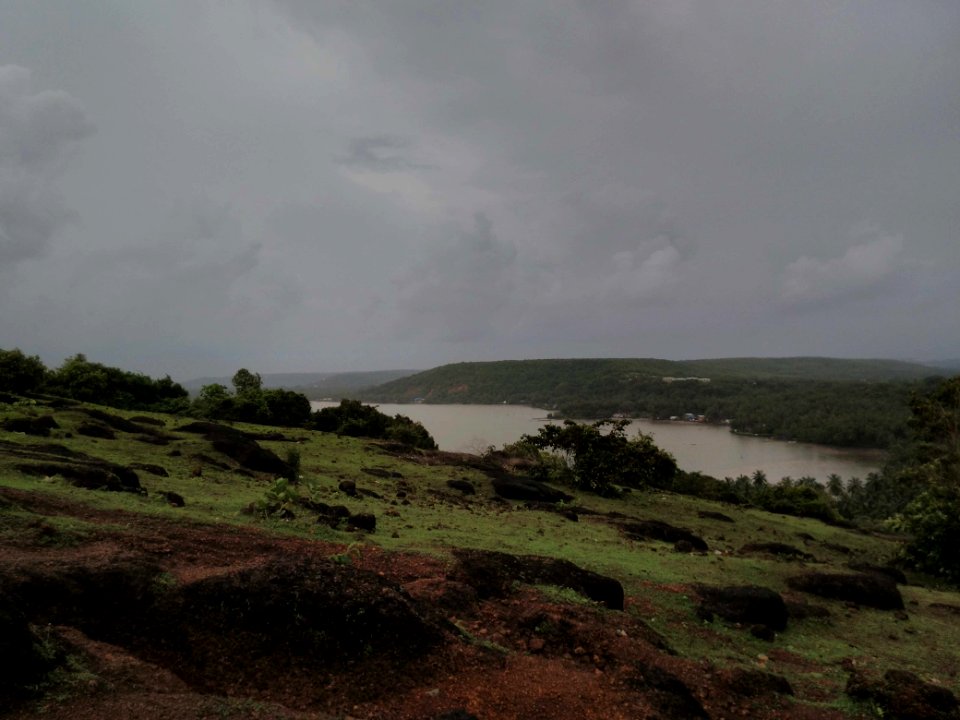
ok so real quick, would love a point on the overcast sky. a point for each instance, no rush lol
(191, 186)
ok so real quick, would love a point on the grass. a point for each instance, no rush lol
(434, 519)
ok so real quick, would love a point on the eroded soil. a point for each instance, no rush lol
(162, 619)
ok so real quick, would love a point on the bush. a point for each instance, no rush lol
(933, 521)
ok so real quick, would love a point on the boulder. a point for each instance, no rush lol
(493, 574)
(38, 426)
(517, 488)
(659, 530)
(746, 604)
(775, 548)
(868, 589)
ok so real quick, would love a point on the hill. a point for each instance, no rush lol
(315, 385)
(149, 570)
(824, 400)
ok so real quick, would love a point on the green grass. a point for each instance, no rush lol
(658, 580)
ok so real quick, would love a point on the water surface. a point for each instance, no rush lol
(710, 449)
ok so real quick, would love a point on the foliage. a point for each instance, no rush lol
(354, 419)
(932, 519)
(251, 403)
(80, 379)
(278, 500)
(599, 455)
(20, 373)
(836, 402)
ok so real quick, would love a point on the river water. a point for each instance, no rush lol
(709, 449)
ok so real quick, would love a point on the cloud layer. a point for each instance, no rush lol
(291, 185)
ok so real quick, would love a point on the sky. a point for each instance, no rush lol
(192, 186)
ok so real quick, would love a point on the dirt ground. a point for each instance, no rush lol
(518, 656)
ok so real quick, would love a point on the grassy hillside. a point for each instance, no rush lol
(825, 400)
(50, 525)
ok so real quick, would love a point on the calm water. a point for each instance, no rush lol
(709, 449)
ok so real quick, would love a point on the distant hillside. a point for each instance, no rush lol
(536, 381)
(314, 385)
(826, 400)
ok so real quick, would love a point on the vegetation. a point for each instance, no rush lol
(354, 419)
(599, 456)
(85, 381)
(856, 403)
(813, 653)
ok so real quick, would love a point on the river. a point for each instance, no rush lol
(709, 449)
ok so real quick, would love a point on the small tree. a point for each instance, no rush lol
(599, 455)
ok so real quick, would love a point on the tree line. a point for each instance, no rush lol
(247, 401)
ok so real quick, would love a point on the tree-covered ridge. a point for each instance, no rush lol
(85, 381)
(856, 403)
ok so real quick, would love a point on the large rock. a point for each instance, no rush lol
(746, 604)
(901, 695)
(39, 426)
(517, 488)
(493, 574)
(659, 530)
(869, 589)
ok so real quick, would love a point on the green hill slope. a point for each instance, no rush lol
(825, 400)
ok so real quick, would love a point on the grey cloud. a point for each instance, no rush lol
(38, 132)
(864, 267)
(459, 292)
(382, 153)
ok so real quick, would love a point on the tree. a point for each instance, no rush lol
(932, 518)
(246, 382)
(599, 455)
(20, 373)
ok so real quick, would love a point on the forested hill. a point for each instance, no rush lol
(827, 400)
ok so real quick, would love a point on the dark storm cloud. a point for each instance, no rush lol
(38, 133)
(407, 183)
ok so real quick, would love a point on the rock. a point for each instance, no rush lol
(493, 574)
(901, 695)
(711, 515)
(753, 683)
(774, 548)
(377, 472)
(175, 499)
(96, 430)
(658, 530)
(668, 693)
(363, 521)
(240, 447)
(893, 573)
(746, 604)
(525, 489)
(869, 589)
(348, 487)
(464, 486)
(92, 475)
(39, 426)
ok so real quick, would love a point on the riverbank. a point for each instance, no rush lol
(697, 447)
